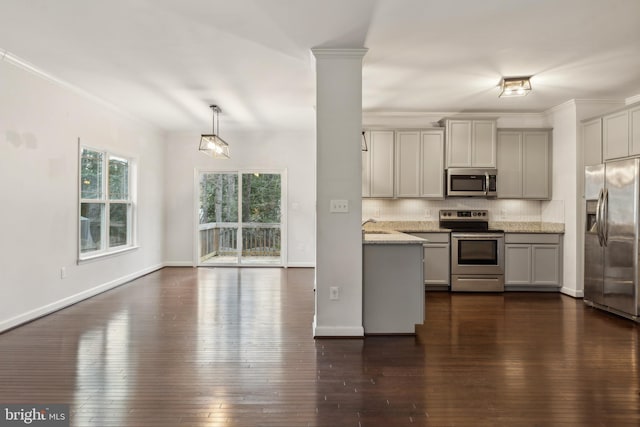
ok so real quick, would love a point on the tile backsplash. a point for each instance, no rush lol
(427, 210)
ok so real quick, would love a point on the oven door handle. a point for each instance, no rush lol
(477, 236)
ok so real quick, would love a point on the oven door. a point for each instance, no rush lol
(477, 253)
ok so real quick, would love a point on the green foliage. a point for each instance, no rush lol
(260, 198)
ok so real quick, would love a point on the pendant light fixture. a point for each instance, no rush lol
(212, 145)
(363, 143)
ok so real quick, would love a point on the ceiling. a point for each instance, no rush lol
(165, 61)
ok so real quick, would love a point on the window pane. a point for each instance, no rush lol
(218, 198)
(260, 198)
(91, 174)
(91, 220)
(118, 224)
(118, 178)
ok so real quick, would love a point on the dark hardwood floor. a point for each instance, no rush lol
(234, 347)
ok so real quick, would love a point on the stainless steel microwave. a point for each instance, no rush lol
(471, 182)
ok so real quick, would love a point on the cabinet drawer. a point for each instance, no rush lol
(532, 238)
(433, 237)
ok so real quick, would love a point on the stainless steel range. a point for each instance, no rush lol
(477, 253)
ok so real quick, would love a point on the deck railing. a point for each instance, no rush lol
(221, 239)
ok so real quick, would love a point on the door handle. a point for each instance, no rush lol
(486, 183)
(605, 214)
(599, 218)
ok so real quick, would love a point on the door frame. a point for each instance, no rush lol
(283, 214)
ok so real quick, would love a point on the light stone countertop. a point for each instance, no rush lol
(434, 227)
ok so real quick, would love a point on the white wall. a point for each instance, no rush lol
(564, 186)
(40, 123)
(288, 150)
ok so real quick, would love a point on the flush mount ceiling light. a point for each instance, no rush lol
(212, 145)
(515, 86)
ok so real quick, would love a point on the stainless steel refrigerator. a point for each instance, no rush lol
(612, 193)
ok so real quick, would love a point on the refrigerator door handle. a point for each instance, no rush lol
(599, 218)
(604, 217)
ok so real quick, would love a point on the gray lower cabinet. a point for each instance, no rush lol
(393, 290)
(533, 261)
(437, 255)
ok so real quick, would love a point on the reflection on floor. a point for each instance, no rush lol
(233, 346)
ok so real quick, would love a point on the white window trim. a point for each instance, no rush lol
(132, 230)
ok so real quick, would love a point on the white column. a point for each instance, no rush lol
(338, 177)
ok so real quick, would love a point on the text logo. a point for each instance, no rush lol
(54, 415)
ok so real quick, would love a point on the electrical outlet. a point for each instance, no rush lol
(334, 293)
(339, 206)
(427, 213)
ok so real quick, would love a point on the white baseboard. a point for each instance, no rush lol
(179, 264)
(336, 331)
(73, 299)
(576, 293)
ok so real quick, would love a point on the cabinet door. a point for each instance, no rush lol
(517, 264)
(381, 147)
(436, 264)
(545, 264)
(407, 173)
(634, 130)
(432, 164)
(592, 142)
(483, 143)
(458, 143)
(510, 165)
(615, 135)
(366, 167)
(535, 165)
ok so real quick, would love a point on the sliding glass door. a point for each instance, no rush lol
(240, 218)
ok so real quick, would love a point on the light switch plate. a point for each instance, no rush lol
(339, 206)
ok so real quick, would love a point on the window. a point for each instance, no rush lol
(106, 203)
(240, 218)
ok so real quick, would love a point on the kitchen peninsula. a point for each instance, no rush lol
(393, 300)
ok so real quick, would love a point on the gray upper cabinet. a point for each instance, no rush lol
(524, 164)
(366, 167)
(470, 143)
(378, 165)
(536, 170)
(408, 163)
(432, 163)
(510, 164)
(419, 163)
(615, 135)
(592, 142)
(634, 130)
